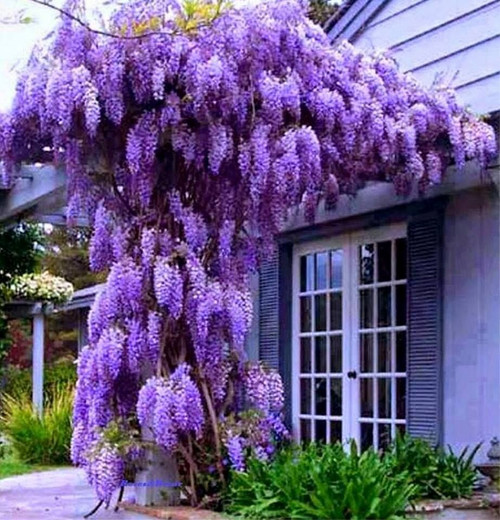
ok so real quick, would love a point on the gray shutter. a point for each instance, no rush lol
(275, 319)
(425, 281)
(269, 312)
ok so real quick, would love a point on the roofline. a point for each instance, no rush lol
(35, 186)
(337, 15)
(352, 17)
(382, 195)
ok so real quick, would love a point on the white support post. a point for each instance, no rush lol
(38, 348)
(83, 338)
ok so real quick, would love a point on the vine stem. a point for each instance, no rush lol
(120, 498)
(88, 515)
(185, 453)
(193, 469)
(194, 494)
(81, 22)
(215, 427)
(164, 337)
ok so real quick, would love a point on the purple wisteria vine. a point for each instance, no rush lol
(187, 138)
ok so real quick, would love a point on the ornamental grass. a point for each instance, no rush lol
(39, 439)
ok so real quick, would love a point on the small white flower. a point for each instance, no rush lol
(44, 287)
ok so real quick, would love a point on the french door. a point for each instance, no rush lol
(349, 337)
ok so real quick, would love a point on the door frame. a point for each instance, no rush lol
(349, 243)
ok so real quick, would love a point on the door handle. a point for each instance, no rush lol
(352, 374)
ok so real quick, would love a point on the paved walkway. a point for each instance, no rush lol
(56, 495)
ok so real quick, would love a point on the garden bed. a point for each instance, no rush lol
(482, 506)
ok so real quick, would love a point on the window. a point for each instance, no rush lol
(349, 354)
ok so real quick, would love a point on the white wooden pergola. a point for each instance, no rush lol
(36, 311)
(39, 194)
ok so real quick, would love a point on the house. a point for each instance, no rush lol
(385, 314)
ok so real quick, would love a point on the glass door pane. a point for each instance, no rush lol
(382, 325)
(320, 302)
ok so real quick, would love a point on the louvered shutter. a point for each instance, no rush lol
(425, 282)
(269, 312)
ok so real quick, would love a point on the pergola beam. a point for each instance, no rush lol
(59, 220)
(36, 187)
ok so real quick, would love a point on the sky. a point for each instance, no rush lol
(17, 41)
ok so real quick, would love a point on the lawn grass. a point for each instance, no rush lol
(10, 465)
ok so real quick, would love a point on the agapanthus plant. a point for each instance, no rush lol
(188, 132)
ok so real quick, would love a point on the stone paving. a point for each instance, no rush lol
(56, 495)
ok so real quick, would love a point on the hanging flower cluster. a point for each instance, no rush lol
(260, 428)
(43, 287)
(186, 138)
(171, 407)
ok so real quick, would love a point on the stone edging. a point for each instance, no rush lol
(172, 513)
(479, 501)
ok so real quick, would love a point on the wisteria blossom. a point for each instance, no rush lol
(187, 138)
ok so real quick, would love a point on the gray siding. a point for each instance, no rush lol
(471, 324)
(457, 41)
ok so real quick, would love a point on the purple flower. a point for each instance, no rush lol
(187, 150)
(136, 344)
(169, 286)
(235, 450)
(147, 401)
(173, 405)
(264, 389)
(195, 230)
(106, 472)
(148, 246)
(100, 243)
(110, 348)
(154, 330)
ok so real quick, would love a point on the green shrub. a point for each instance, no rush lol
(39, 439)
(18, 381)
(60, 373)
(438, 473)
(326, 482)
(320, 481)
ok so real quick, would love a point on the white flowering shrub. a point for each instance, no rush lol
(41, 287)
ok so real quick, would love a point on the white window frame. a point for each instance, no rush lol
(350, 319)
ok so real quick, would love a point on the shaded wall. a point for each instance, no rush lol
(471, 361)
